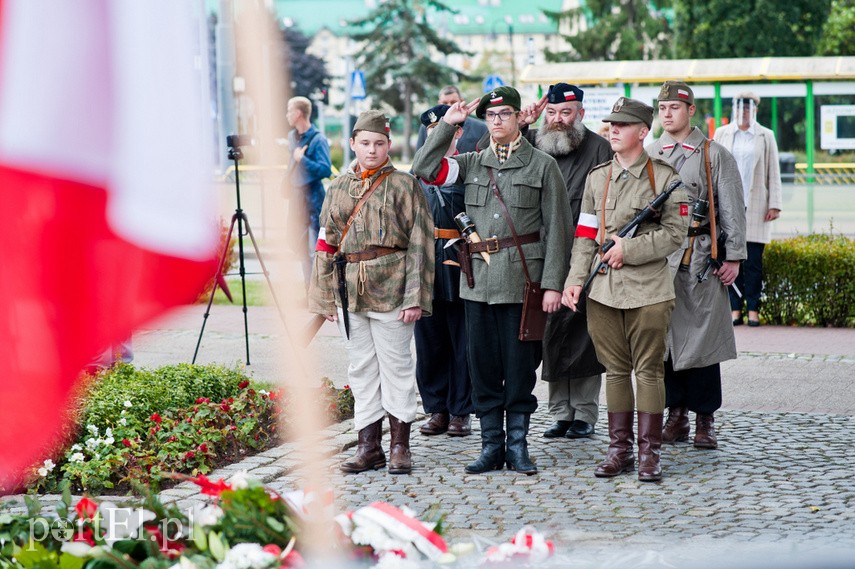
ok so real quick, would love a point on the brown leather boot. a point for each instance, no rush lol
(705, 431)
(620, 457)
(400, 461)
(369, 452)
(677, 426)
(459, 426)
(649, 446)
(436, 425)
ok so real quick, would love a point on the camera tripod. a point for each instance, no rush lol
(239, 217)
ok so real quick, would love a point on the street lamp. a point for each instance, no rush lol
(507, 20)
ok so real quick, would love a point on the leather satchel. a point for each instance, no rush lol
(533, 319)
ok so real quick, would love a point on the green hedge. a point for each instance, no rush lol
(810, 281)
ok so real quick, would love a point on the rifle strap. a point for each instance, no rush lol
(712, 212)
(510, 221)
(601, 234)
(360, 203)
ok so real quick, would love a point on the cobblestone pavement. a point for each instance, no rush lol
(779, 490)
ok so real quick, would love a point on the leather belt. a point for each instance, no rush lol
(439, 233)
(704, 230)
(372, 252)
(493, 244)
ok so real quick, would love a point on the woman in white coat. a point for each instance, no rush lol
(756, 154)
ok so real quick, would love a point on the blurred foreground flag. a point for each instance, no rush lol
(107, 212)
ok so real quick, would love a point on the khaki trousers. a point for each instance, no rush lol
(575, 399)
(381, 371)
(627, 340)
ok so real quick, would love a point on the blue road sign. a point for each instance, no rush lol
(491, 82)
(357, 85)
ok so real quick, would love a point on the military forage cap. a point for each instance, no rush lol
(676, 91)
(563, 92)
(630, 111)
(504, 95)
(433, 115)
(373, 121)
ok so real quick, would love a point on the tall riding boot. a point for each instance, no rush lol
(676, 428)
(649, 446)
(705, 431)
(492, 443)
(400, 461)
(620, 457)
(517, 455)
(369, 452)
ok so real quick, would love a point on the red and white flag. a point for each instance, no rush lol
(587, 226)
(104, 185)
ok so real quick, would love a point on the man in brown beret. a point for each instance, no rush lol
(701, 333)
(386, 251)
(629, 306)
(532, 193)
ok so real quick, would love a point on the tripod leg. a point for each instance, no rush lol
(263, 267)
(220, 265)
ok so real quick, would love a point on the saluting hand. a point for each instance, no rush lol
(530, 113)
(459, 111)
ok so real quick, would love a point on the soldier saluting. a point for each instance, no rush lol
(511, 174)
(629, 306)
(376, 226)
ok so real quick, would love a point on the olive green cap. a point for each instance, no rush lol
(676, 91)
(372, 121)
(630, 111)
(499, 97)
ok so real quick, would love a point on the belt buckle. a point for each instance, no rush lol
(495, 240)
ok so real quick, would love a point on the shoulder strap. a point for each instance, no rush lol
(361, 202)
(507, 215)
(601, 232)
(712, 213)
(311, 138)
(651, 177)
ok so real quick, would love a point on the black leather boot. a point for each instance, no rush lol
(621, 457)
(517, 454)
(492, 443)
(369, 452)
(400, 461)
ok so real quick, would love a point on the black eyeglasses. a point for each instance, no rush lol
(501, 115)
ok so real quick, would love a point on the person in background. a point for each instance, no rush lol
(473, 129)
(756, 153)
(442, 370)
(387, 248)
(309, 164)
(629, 306)
(701, 335)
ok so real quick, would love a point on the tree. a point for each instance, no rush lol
(614, 30)
(308, 72)
(748, 28)
(838, 36)
(402, 57)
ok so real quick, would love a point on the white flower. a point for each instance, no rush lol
(206, 515)
(92, 429)
(49, 464)
(108, 433)
(92, 444)
(128, 404)
(43, 472)
(76, 447)
(263, 392)
(109, 441)
(240, 480)
(122, 523)
(247, 556)
(77, 457)
(123, 422)
(389, 560)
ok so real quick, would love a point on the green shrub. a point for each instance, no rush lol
(810, 281)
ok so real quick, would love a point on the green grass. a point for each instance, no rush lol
(257, 293)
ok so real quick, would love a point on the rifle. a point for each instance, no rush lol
(716, 262)
(699, 214)
(340, 263)
(652, 209)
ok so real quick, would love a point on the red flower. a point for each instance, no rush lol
(243, 384)
(86, 509)
(210, 488)
(156, 418)
(172, 549)
(126, 442)
(189, 454)
(293, 560)
(347, 386)
(86, 535)
(225, 406)
(272, 549)
(203, 447)
(203, 400)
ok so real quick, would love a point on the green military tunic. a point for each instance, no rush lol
(645, 278)
(533, 189)
(396, 215)
(701, 332)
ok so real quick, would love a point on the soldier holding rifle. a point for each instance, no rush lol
(377, 233)
(701, 333)
(629, 305)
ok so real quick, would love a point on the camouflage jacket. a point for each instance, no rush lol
(396, 215)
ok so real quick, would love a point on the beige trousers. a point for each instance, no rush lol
(575, 399)
(381, 371)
